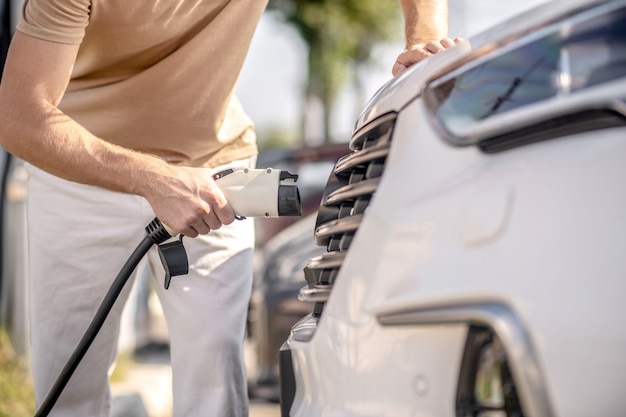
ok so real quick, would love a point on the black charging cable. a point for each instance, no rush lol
(155, 234)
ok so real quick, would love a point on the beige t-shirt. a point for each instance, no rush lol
(156, 76)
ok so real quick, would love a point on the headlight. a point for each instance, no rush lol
(566, 78)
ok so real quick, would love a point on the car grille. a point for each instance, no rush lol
(349, 190)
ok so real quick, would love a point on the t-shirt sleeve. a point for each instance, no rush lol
(62, 21)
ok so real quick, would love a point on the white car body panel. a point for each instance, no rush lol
(421, 229)
(386, 377)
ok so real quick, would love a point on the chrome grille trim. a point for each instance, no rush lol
(351, 161)
(377, 131)
(318, 294)
(335, 227)
(352, 191)
(327, 260)
(348, 193)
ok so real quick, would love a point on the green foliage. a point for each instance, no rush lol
(16, 392)
(276, 136)
(340, 35)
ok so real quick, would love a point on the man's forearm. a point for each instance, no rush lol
(184, 198)
(34, 129)
(64, 148)
(425, 20)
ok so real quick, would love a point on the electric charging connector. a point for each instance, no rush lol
(260, 192)
(252, 193)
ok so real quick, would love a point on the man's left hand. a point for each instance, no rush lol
(416, 53)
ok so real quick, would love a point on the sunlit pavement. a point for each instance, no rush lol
(146, 390)
(264, 409)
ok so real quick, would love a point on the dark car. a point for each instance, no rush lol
(284, 245)
(274, 307)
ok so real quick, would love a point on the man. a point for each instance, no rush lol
(123, 110)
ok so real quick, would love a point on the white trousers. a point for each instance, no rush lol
(79, 238)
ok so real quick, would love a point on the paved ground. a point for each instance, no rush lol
(145, 388)
(145, 391)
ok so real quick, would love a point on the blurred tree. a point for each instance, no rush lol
(340, 35)
(276, 136)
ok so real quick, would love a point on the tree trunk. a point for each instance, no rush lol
(327, 113)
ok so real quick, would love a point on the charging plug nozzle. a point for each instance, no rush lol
(261, 192)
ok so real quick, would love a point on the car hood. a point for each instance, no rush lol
(401, 90)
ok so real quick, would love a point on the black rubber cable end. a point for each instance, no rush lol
(157, 232)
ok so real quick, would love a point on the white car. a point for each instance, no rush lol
(476, 235)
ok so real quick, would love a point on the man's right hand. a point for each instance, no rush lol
(188, 200)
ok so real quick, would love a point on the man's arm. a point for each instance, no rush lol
(32, 128)
(424, 21)
(426, 31)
